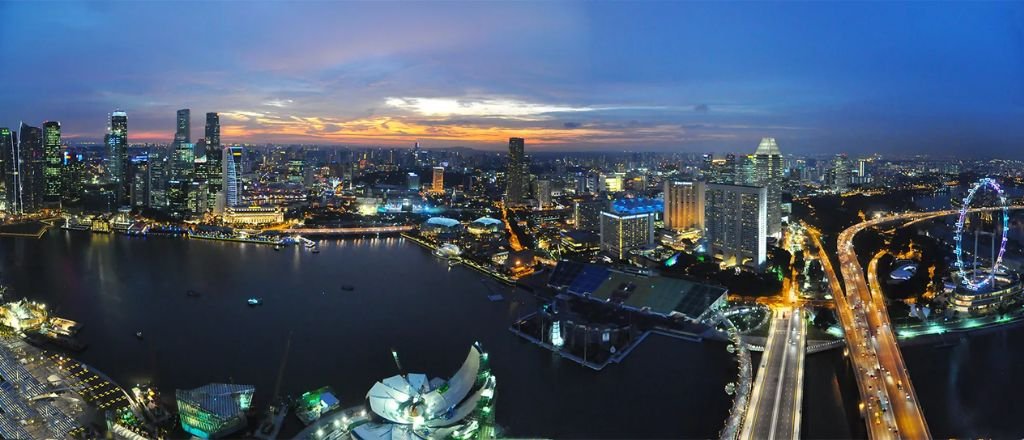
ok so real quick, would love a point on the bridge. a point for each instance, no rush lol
(777, 397)
(775, 405)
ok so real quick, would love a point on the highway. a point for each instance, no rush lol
(775, 405)
(888, 401)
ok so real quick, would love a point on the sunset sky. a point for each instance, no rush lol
(681, 76)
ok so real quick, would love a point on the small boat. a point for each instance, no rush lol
(316, 250)
(348, 287)
(255, 301)
(138, 335)
(277, 248)
(192, 293)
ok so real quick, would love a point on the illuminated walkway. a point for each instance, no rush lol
(351, 231)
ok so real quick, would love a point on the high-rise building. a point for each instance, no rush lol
(177, 198)
(117, 151)
(12, 170)
(158, 176)
(214, 158)
(622, 232)
(233, 177)
(215, 410)
(862, 167)
(31, 170)
(139, 170)
(768, 173)
(183, 162)
(183, 132)
(586, 214)
(516, 175)
(72, 176)
(744, 170)
(437, 184)
(736, 221)
(412, 181)
(840, 173)
(684, 205)
(53, 156)
(543, 193)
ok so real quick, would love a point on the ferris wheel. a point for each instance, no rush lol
(970, 276)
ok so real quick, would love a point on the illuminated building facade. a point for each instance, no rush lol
(117, 150)
(214, 410)
(543, 193)
(622, 232)
(33, 161)
(768, 173)
(233, 176)
(158, 177)
(517, 183)
(736, 222)
(437, 184)
(183, 131)
(412, 181)
(12, 170)
(253, 215)
(587, 214)
(52, 156)
(412, 406)
(684, 205)
(214, 159)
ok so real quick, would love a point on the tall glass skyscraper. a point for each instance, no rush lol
(768, 173)
(516, 177)
(117, 148)
(53, 157)
(31, 168)
(183, 133)
(214, 158)
(12, 164)
(158, 177)
(233, 176)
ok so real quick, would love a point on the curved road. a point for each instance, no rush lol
(889, 402)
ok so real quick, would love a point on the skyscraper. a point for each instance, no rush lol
(840, 173)
(622, 232)
(117, 149)
(72, 176)
(33, 160)
(139, 170)
(736, 219)
(412, 181)
(684, 205)
(183, 133)
(768, 173)
(437, 184)
(233, 176)
(516, 180)
(53, 157)
(12, 164)
(543, 193)
(158, 176)
(214, 158)
(587, 214)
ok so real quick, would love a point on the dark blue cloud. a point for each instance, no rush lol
(825, 76)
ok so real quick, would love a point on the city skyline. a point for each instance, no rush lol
(671, 77)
